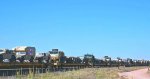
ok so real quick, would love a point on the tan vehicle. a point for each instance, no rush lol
(24, 53)
(7, 55)
(57, 57)
(43, 57)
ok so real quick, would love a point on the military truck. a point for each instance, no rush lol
(107, 60)
(24, 53)
(7, 55)
(43, 57)
(128, 62)
(89, 60)
(57, 57)
(120, 62)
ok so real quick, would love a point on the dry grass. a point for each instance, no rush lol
(87, 73)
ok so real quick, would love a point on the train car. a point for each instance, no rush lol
(138, 63)
(102, 62)
(128, 62)
(25, 53)
(43, 58)
(73, 60)
(97, 62)
(69, 60)
(81, 59)
(57, 57)
(135, 62)
(114, 63)
(144, 62)
(78, 60)
(7, 55)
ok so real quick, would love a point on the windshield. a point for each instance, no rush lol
(29, 53)
(1, 50)
(88, 56)
(53, 52)
(21, 53)
(43, 54)
(9, 51)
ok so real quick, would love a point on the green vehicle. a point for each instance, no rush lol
(7, 55)
(89, 60)
(107, 61)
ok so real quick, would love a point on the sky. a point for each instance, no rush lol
(115, 28)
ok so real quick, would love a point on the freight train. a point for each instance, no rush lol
(26, 56)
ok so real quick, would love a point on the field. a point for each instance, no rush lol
(87, 73)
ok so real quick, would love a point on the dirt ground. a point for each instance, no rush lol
(90, 73)
(136, 74)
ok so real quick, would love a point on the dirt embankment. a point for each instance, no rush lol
(136, 74)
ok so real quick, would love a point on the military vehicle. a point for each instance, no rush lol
(57, 57)
(43, 57)
(7, 55)
(24, 53)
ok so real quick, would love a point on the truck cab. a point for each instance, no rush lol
(7, 55)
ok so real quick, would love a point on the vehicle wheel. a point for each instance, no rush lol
(31, 59)
(1, 58)
(48, 60)
(40, 60)
(22, 59)
(13, 58)
(52, 61)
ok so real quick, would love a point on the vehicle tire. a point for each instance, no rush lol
(39, 60)
(1, 58)
(48, 60)
(31, 59)
(22, 59)
(13, 58)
